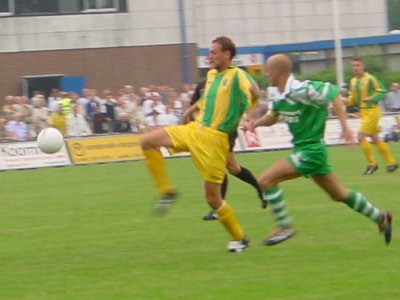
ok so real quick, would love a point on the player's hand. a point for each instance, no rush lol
(348, 136)
(186, 118)
(248, 125)
(366, 100)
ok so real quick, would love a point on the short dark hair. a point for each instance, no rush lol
(357, 58)
(226, 44)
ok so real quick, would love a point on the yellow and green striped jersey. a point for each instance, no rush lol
(226, 96)
(363, 87)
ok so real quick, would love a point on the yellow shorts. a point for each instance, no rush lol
(369, 120)
(209, 148)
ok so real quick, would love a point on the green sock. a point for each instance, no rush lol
(274, 196)
(357, 202)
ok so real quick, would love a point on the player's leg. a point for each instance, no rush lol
(369, 124)
(211, 215)
(243, 174)
(212, 164)
(226, 216)
(383, 148)
(239, 171)
(366, 148)
(268, 181)
(150, 144)
(224, 186)
(356, 201)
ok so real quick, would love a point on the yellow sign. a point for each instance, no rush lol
(104, 149)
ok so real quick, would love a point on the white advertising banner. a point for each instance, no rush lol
(333, 131)
(266, 138)
(278, 136)
(240, 60)
(26, 155)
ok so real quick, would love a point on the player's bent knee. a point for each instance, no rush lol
(233, 169)
(144, 143)
(214, 200)
(151, 140)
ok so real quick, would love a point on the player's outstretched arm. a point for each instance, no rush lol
(268, 119)
(339, 108)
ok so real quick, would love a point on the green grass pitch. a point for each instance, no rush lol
(87, 232)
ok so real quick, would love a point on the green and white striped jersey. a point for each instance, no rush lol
(304, 107)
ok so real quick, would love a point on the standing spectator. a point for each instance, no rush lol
(109, 109)
(123, 123)
(177, 104)
(22, 105)
(76, 123)
(53, 100)
(58, 120)
(83, 100)
(100, 122)
(91, 107)
(366, 91)
(148, 104)
(151, 120)
(66, 102)
(4, 133)
(157, 98)
(169, 117)
(185, 94)
(17, 128)
(393, 97)
(34, 95)
(127, 92)
(7, 109)
(119, 107)
(40, 115)
(138, 120)
(144, 93)
(159, 117)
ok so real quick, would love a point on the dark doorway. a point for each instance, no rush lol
(41, 83)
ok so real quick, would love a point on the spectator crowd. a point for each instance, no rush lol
(128, 110)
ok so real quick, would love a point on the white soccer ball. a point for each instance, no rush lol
(50, 140)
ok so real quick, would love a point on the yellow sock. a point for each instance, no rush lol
(227, 217)
(156, 165)
(385, 152)
(367, 150)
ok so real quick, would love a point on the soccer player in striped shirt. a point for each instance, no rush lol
(365, 92)
(303, 106)
(233, 166)
(229, 92)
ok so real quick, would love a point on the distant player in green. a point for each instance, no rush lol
(228, 93)
(303, 106)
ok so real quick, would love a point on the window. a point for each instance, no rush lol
(6, 7)
(58, 7)
(36, 7)
(101, 5)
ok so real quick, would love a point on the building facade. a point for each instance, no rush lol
(115, 42)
